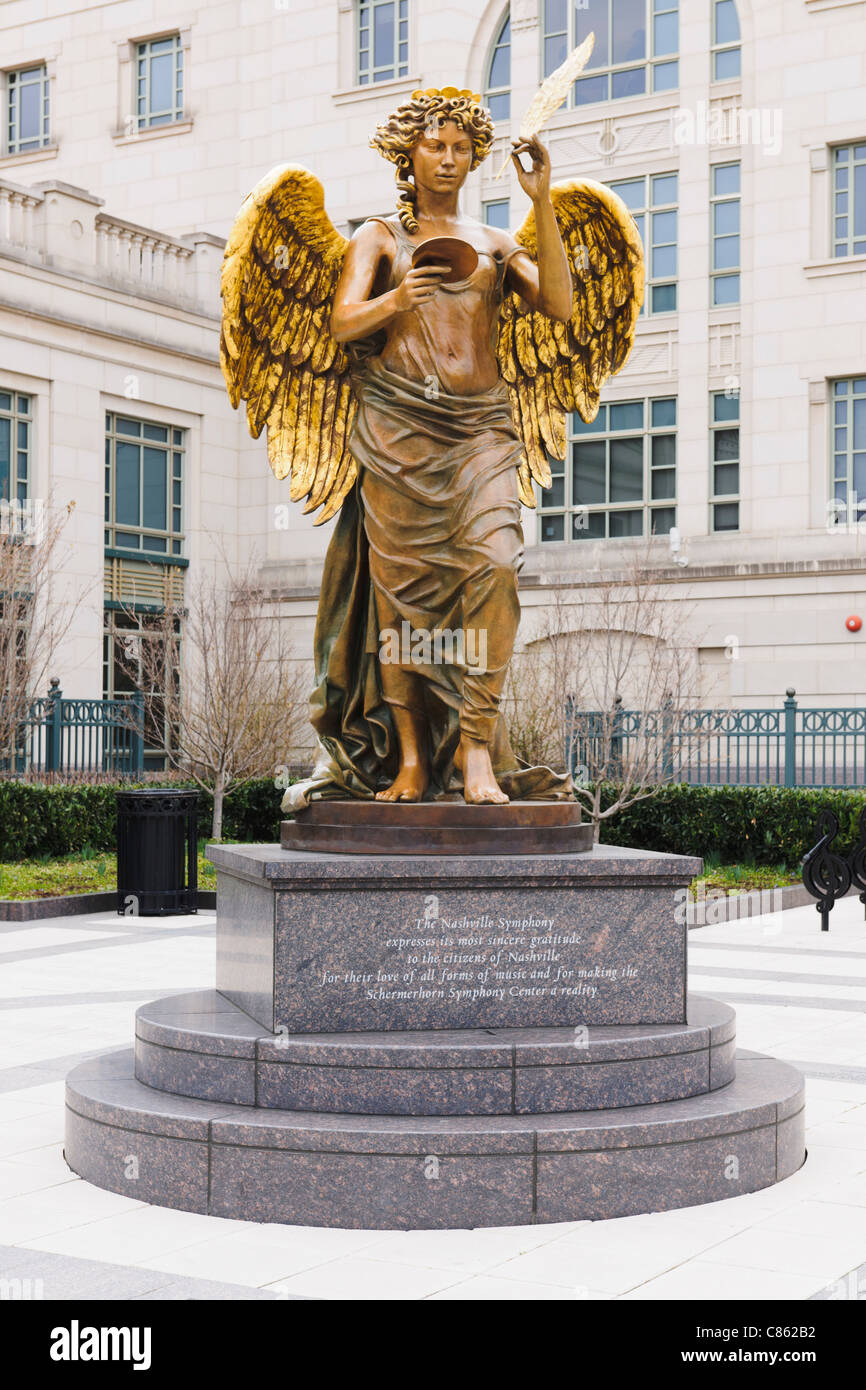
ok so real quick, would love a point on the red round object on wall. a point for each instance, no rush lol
(854, 623)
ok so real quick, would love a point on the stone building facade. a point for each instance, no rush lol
(737, 432)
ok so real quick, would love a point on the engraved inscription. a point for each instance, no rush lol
(479, 958)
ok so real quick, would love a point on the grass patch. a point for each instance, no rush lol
(88, 871)
(95, 871)
(743, 878)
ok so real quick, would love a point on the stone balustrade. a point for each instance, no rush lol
(61, 227)
(125, 251)
(17, 208)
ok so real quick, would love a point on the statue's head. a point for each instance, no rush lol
(433, 127)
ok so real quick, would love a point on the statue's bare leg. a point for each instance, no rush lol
(491, 613)
(480, 786)
(412, 777)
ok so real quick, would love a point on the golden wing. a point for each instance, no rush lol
(553, 368)
(282, 265)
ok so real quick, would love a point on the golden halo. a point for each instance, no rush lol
(447, 92)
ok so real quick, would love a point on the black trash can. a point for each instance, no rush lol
(157, 853)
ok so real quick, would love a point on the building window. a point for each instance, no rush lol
(621, 475)
(849, 200)
(652, 201)
(28, 123)
(124, 671)
(636, 45)
(726, 40)
(383, 40)
(497, 91)
(16, 427)
(497, 213)
(159, 79)
(725, 200)
(849, 450)
(725, 461)
(143, 486)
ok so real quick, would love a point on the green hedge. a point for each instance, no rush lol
(36, 819)
(761, 825)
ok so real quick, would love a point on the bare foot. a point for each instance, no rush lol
(410, 784)
(480, 787)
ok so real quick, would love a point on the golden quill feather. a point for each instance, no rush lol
(552, 93)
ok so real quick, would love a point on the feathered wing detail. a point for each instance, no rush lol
(282, 265)
(554, 368)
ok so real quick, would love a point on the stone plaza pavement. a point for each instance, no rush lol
(69, 988)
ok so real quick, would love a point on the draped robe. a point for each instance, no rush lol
(429, 541)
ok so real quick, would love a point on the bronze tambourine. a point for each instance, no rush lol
(447, 250)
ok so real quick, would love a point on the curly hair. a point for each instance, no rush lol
(396, 138)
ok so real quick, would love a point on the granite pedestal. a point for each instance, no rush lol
(409, 1041)
(327, 943)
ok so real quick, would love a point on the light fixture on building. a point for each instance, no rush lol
(676, 547)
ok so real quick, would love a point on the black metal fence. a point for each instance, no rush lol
(786, 747)
(79, 735)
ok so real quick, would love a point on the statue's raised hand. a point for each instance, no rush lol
(535, 182)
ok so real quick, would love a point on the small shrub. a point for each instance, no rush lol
(49, 821)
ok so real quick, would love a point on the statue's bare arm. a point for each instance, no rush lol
(355, 315)
(546, 286)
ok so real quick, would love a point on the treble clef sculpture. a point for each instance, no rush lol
(827, 876)
(857, 860)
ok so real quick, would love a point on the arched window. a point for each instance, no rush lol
(497, 92)
(726, 40)
(636, 45)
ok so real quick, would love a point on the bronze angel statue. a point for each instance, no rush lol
(421, 403)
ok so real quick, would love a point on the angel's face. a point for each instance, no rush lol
(442, 157)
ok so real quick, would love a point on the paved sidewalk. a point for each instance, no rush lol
(70, 988)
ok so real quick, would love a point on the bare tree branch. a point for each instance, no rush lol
(609, 674)
(34, 618)
(220, 683)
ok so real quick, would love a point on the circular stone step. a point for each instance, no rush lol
(432, 1172)
(201, 1045)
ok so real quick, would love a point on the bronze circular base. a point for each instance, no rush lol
(437, 827)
